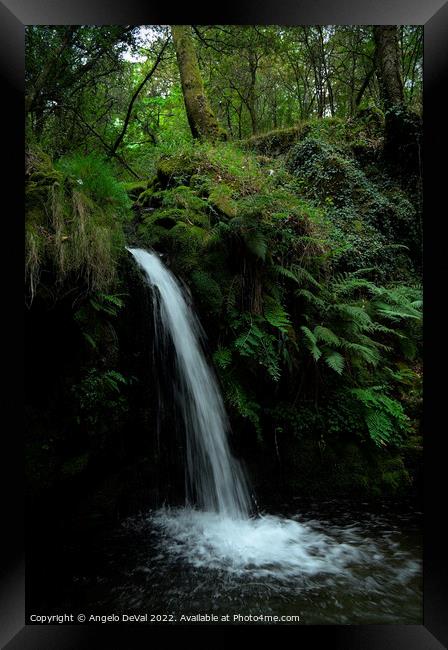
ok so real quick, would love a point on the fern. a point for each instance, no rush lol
(312, 299)
(367, 354)
(112, 379)
(246, 407)
(109, 304)
(311, 343)
(222, 357)
(247, 343)
(256, 243)
(326, 335)
(385, 418)
(276, 315)
(335, 361)
(297, 274)
(346, 286)
(357, 316)
(90, 340)
(258, 344)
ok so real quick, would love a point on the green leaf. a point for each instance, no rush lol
(311, 344)
(276, 315)
(90, 340)
(325, 334)
(335, 361)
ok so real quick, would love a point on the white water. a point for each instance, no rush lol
(265, 546)
(215, 481)
(221, 535)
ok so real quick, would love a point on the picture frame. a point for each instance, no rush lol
(433, 14)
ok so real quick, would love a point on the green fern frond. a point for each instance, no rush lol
(348, 286)
(384, 416)
(311, 343)
(335, 361)
(276, 315)
(256, 243)
(326, 335)
(297, 274)
(222, 357)
(368, 354)
(312, 298)
(358, 316)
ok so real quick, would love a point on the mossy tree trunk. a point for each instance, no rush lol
(387, 57)
(403, 128)
(202, 121)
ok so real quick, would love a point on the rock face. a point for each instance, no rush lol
(90, 404)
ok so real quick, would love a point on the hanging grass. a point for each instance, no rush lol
(75, 211)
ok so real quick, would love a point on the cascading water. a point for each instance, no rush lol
(291, 556)
(215, 481)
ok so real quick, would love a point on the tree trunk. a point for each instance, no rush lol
(202, 121)
(387, 57)
(251, 98)
(403, 132)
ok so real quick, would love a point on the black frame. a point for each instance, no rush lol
(433, 14)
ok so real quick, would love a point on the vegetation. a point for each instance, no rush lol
(277, 171)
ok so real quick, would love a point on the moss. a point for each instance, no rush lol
(144, 198)
(151, 235)
(208, 292)
(276, 142)
(183, 197)
(202, 121)
(166, 218)
(135, 189)
(394, 476)
(185, 243)
(369, 217)
(221, 199)
(175, 170)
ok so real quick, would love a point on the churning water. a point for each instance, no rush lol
(214, 537)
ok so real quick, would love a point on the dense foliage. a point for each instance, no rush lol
(297, 236)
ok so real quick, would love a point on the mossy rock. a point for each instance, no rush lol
(151, 235)
(75, 211)
(184, 243)
(276, 142)
(135, 189)
(183, 197)
(208, 292)
(166, 218)
(145, 198)
(37, 189)
(395, 477)
(222, 201)
(200, 184)
(175, 170)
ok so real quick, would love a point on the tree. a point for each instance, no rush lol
(403, 127)
(388, 62)
(202, 121)
(135, 94)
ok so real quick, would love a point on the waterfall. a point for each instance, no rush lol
(214, 478)
(217, 535)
